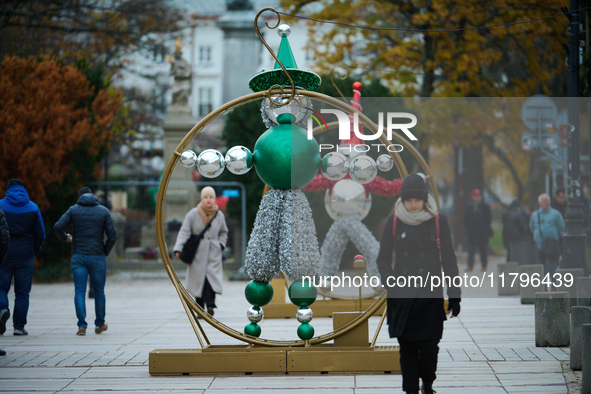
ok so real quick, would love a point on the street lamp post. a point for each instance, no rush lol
(574, 255)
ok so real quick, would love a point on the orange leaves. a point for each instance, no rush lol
(43, 119)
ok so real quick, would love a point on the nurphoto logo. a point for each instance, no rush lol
(344, 120)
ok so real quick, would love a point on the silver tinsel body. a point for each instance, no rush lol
(298, 249)
(343, 229)
(262, 255)
(283, 237)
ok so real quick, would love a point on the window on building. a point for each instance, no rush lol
(204, 54)
(205, 101)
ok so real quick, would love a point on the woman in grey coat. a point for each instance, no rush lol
(205, 273)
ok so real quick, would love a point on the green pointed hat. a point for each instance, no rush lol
(303, 79)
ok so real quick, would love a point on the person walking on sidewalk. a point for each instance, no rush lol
(90, 222)
(515, 229)
(477, 221)
(205, 273)
(421, 241)
(547, 223)
(4, 244)
(28, 233)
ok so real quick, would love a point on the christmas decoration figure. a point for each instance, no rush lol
(284, 236)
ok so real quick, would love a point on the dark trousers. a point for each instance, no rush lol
(472, 251)
(418, 359)
(207, 296)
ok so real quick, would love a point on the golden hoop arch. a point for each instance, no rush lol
(187, 300)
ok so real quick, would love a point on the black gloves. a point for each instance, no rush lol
(453, 305)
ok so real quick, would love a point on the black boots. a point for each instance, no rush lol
(427, 388)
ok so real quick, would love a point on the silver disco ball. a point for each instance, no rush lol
(255, 314)
(297, 107)
(348, 198)
(363, 169)
(238, 160)
(304, 314)
(188, 158)
(210, 163)
(385, 162)
(283, 29)
(334, 166)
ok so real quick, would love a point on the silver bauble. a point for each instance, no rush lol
(304, 314)
(297, 107)
(188, 158)
(210, 163)
(284, 29)
(334, 166)
(385, 162)
(347, 198)
(255, 314)
(238, 160)
(363, 169)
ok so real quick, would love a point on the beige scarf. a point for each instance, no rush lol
(205, 213)
(416, 218)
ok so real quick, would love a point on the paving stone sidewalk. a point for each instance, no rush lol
(490, 348)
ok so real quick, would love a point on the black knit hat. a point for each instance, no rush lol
(413, 186)
(15, 182)
(84, 190)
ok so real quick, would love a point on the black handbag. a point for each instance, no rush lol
(192, 244)
(550, 246)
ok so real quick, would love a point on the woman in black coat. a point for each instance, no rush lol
(416, 314)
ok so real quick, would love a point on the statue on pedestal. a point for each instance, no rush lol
(181, 71)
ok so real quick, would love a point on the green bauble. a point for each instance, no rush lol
(302, 293)
(305, 331)
(254, 330)
(258, 293)
(284, 157)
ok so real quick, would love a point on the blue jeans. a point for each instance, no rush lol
(94, 266)
(550, 265)
(22, 272)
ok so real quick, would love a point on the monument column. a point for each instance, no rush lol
(242, 49)
(177, 123)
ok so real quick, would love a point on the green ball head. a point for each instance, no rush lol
(305, 331)
(302, 293)
(284, 157)
(286, 118)
(254, 330)
(258, 293)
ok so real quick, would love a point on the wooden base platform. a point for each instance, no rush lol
(243, 360)
(320, 308)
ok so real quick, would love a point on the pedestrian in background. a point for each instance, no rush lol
(90, 222)
(546, 223)
(205, 274)
(477, 221)
(27, 235)
(559, 201)
(423, 247)
(4, 244)
(515, 228)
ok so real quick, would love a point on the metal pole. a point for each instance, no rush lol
(574, 237)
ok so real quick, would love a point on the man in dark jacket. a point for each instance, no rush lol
(477, 221)
(515, 228)
(28, 233)
(4, 244)
(90, 222)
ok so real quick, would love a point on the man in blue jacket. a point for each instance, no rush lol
(90, 222)
(546, 223)
(27, 233)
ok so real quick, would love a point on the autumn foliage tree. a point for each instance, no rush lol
(47, 112)
(446, 48)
